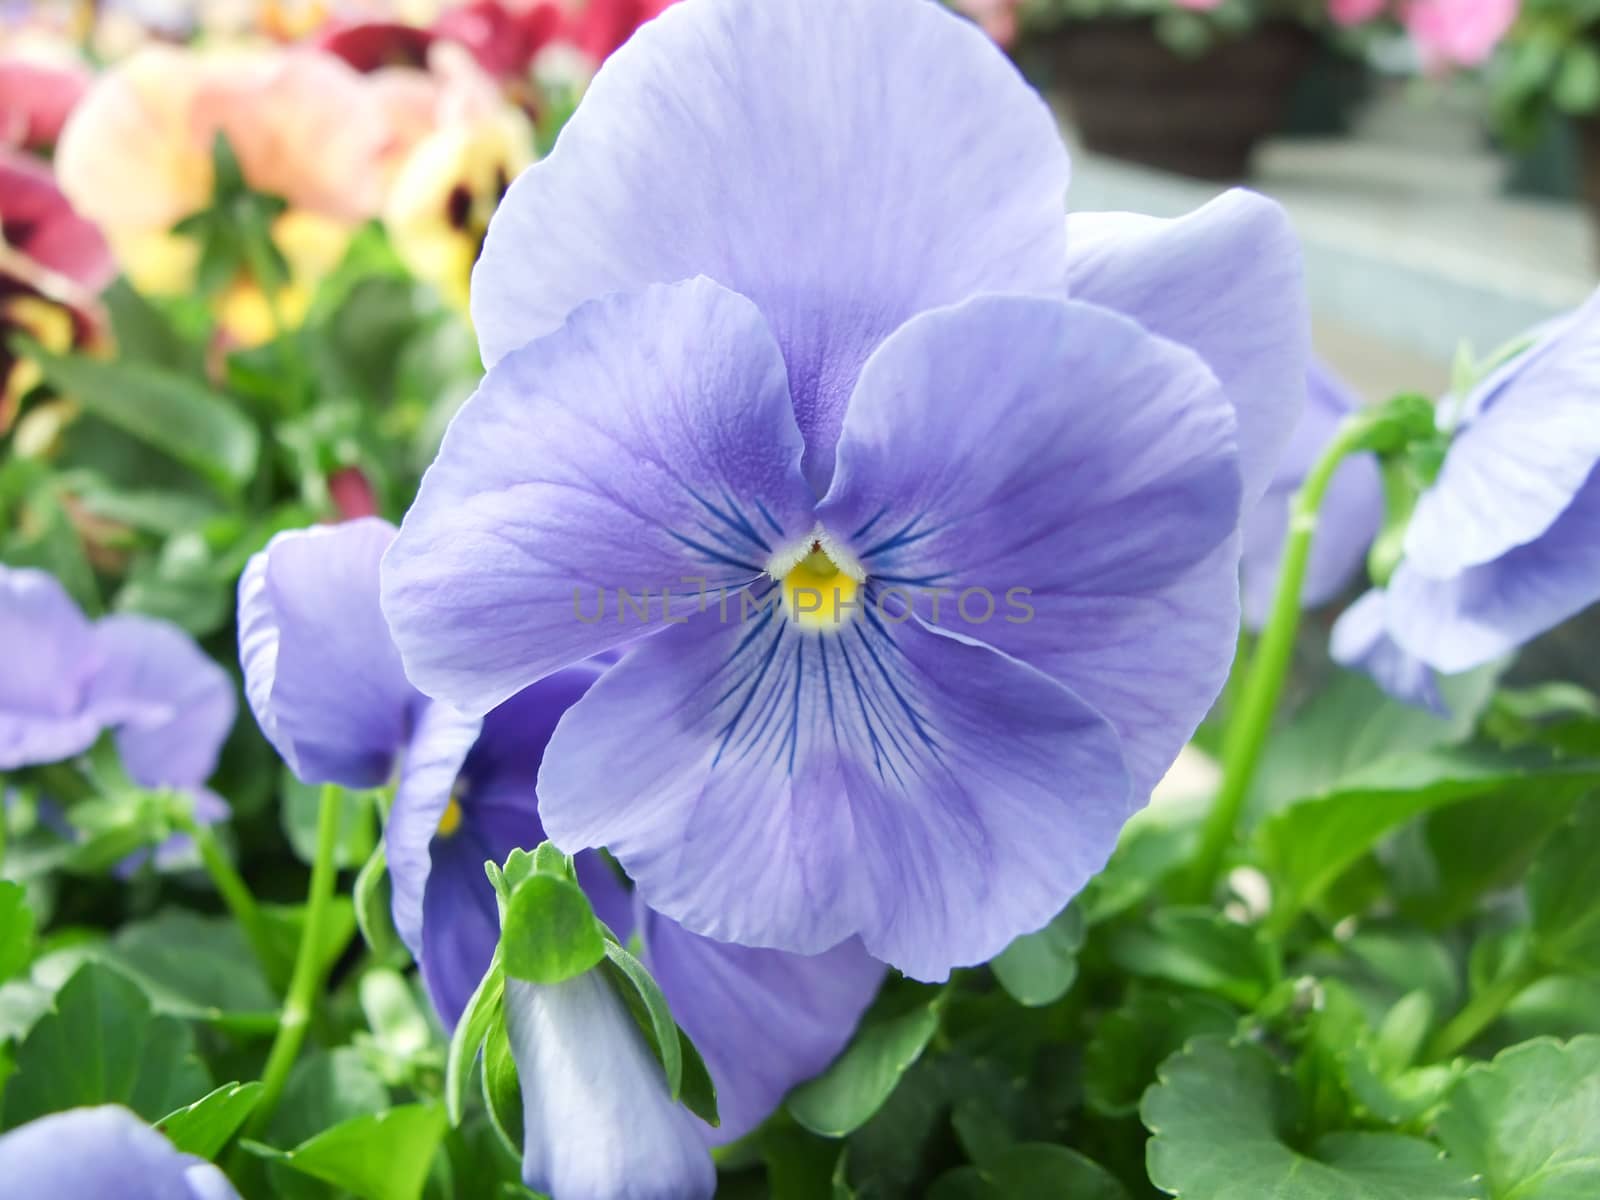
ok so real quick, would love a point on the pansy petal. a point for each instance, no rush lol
(460, 926)
(1225, 280)
(729, 139)
(188, 700)
(1080, 518)
(598, 1121)
(788, 789)
(321, 674)
(763, 1020)
(106, 1151)
(51, 657)
(1518, 463)
(644, 446)
(1488, 611)
(1361, 641)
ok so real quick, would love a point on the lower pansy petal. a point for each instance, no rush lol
(1080, 518)
(102, 1152)
(598, 1121)
(321, 674)
(1361, 640)
(460, 924)
(1487, 611)
(787, 788)
(1226, 281)
(648, 445)
(763, 1020)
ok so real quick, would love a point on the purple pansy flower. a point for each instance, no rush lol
(169, 705)
(1361, 640)
(1505, 544)
(784, 310)
(324, 682)
(105, 1153)
(1350, 517)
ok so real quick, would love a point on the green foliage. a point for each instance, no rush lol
(206, 1126)
(850, 1091)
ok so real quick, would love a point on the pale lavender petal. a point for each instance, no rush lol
(1520, 460)
(100, 1154)
(321, 675)
(843, 164)
(186, 700)
(1488, 611)
(763, 1020)
(1350, 517)
(1362, 641)
(461, 923)
(1225, 280)
(1081, 519)
(788, 789)
(598, 1122)
(647, 443)
(52, 656)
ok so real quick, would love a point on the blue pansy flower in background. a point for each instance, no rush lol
(785, 316)
(1349, 519)
(324, 682)
(104, 1153)
(1505, 544)
(69, 679)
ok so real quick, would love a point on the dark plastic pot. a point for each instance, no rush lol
(1131, 97)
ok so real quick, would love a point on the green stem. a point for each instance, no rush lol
(234, 891)
(1263, 680)
(258, 252)
(307, 979)
(1482, 1011)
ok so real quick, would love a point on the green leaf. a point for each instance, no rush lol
(373, 897)
(379, 1156)
(1031, 1171)
(483, 1012)
(549, 933)
(193, 967)
(1154, 844)
(1307, 846)
(1201, 949)
(643, 996)
(1564, 903)
(16, 929)
(100, 1045)
(164, 409)
(849, 1092)
(397, 1022)
(502, 1095)
(1576, 88)
(325, 1089)
(204, 1127)
(1040, 968)
(1529, 1121)
(1224, 1119)
(1130, 1042)
(699, 1093)
(357, 838)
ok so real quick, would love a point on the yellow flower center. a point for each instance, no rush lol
(817, 594)
(451, 820)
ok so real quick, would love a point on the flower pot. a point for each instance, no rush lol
(1132, 97)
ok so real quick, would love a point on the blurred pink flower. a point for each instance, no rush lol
(504, 37)
(599, 27)
(40, 84)
(38, 223)
(1355, 12)
(1199, 5)
(997, 18)
(1458, 32)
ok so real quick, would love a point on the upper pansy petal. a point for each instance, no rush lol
(1226, 281)
(599, 1123)
(778, 787)
(1080, 518)
(103, 1152)
(1531, 440)
(1487, 611)
(321, 674)
(51, 657)
(187, 700)
(1361, 640)
(763, 1020)
(646, 445)
(731, 139)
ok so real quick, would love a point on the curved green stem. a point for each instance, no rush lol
(1263, 680)
(307, 979)
(232, 888)
(1482, 1011)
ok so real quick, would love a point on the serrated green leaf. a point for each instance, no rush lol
(1201, 949)
(1530, 1121)
(1307, 846)
(1131, 1041)
(164, 409)
(849, 1092)
(1223, 1118)
(204, 1127)
(16, 929)
(1031, 1171)
(484, 1010)
(1040, 968)
(549, 933)
(379, 1156)
(100, 1044)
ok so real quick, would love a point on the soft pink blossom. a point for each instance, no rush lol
(38, 223)
(998, 18)
(40, 84)
(1458, 32)
(1355, 12)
